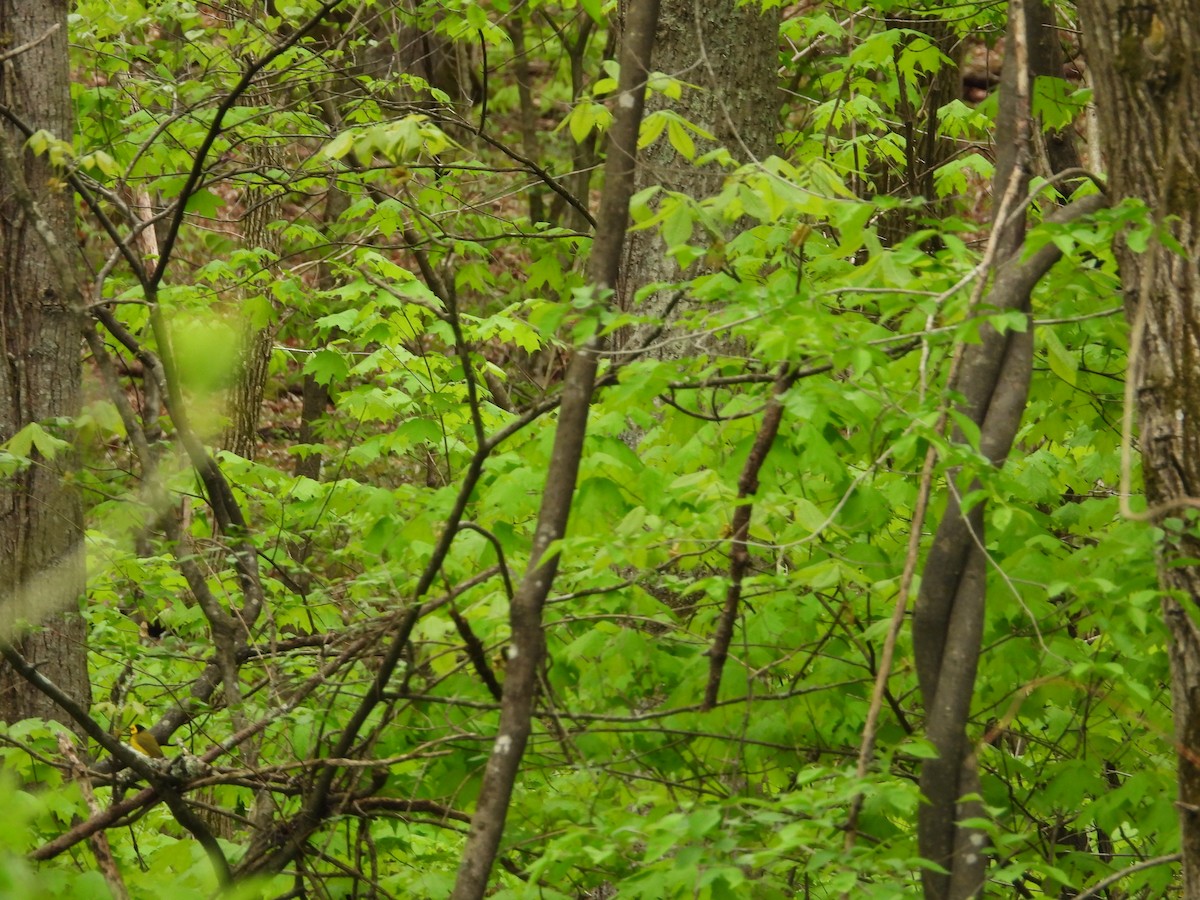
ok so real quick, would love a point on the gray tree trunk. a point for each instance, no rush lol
(1143, 54)
(729, 53)
(41, 518)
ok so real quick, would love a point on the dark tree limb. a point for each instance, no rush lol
(948, 616)
(165, 785)
(528, 640)
(214, 130)
(476, 653)
(739, 553)
(118, 811)
(992, 378)
(271, 852)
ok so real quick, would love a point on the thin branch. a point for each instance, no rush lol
(214, 130)
(99, 841)
(866, 751)
(81, 187)
(477, 654)
(28, 45)
(1095, 889)
(739, 553)
(547, 179)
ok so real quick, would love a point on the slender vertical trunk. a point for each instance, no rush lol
(257, 339)
(924, 149)
(992, 377)
(528, 644)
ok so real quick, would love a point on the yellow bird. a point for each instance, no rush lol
(144, 742)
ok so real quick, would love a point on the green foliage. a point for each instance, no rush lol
(403, 271)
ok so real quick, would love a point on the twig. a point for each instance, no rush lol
(99, 841)
(214, 130)
(28, 45)
(1095, 889)
(871, 728)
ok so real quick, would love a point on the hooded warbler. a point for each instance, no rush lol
(144, 742)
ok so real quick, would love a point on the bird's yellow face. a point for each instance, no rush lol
(144, 742)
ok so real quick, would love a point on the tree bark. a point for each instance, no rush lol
(1142, 54)
(262, 203)
(726, 53)
(41, 517)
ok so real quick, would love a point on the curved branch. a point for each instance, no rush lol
(214, 130)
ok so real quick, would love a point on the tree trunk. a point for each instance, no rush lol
(993, 378)
(528, 644)
(727, 52)
(1143, 54)
(257, 341)
(924, 150)
(246, 395)
(41, 518)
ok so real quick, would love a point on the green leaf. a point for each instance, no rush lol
(586, 116)
(595, 9)
(1062, 362)
(681, 140)
(327, 367)
(204, 203)
(1057, 102)
(34, 437)
(340, 145)
(652, 126)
